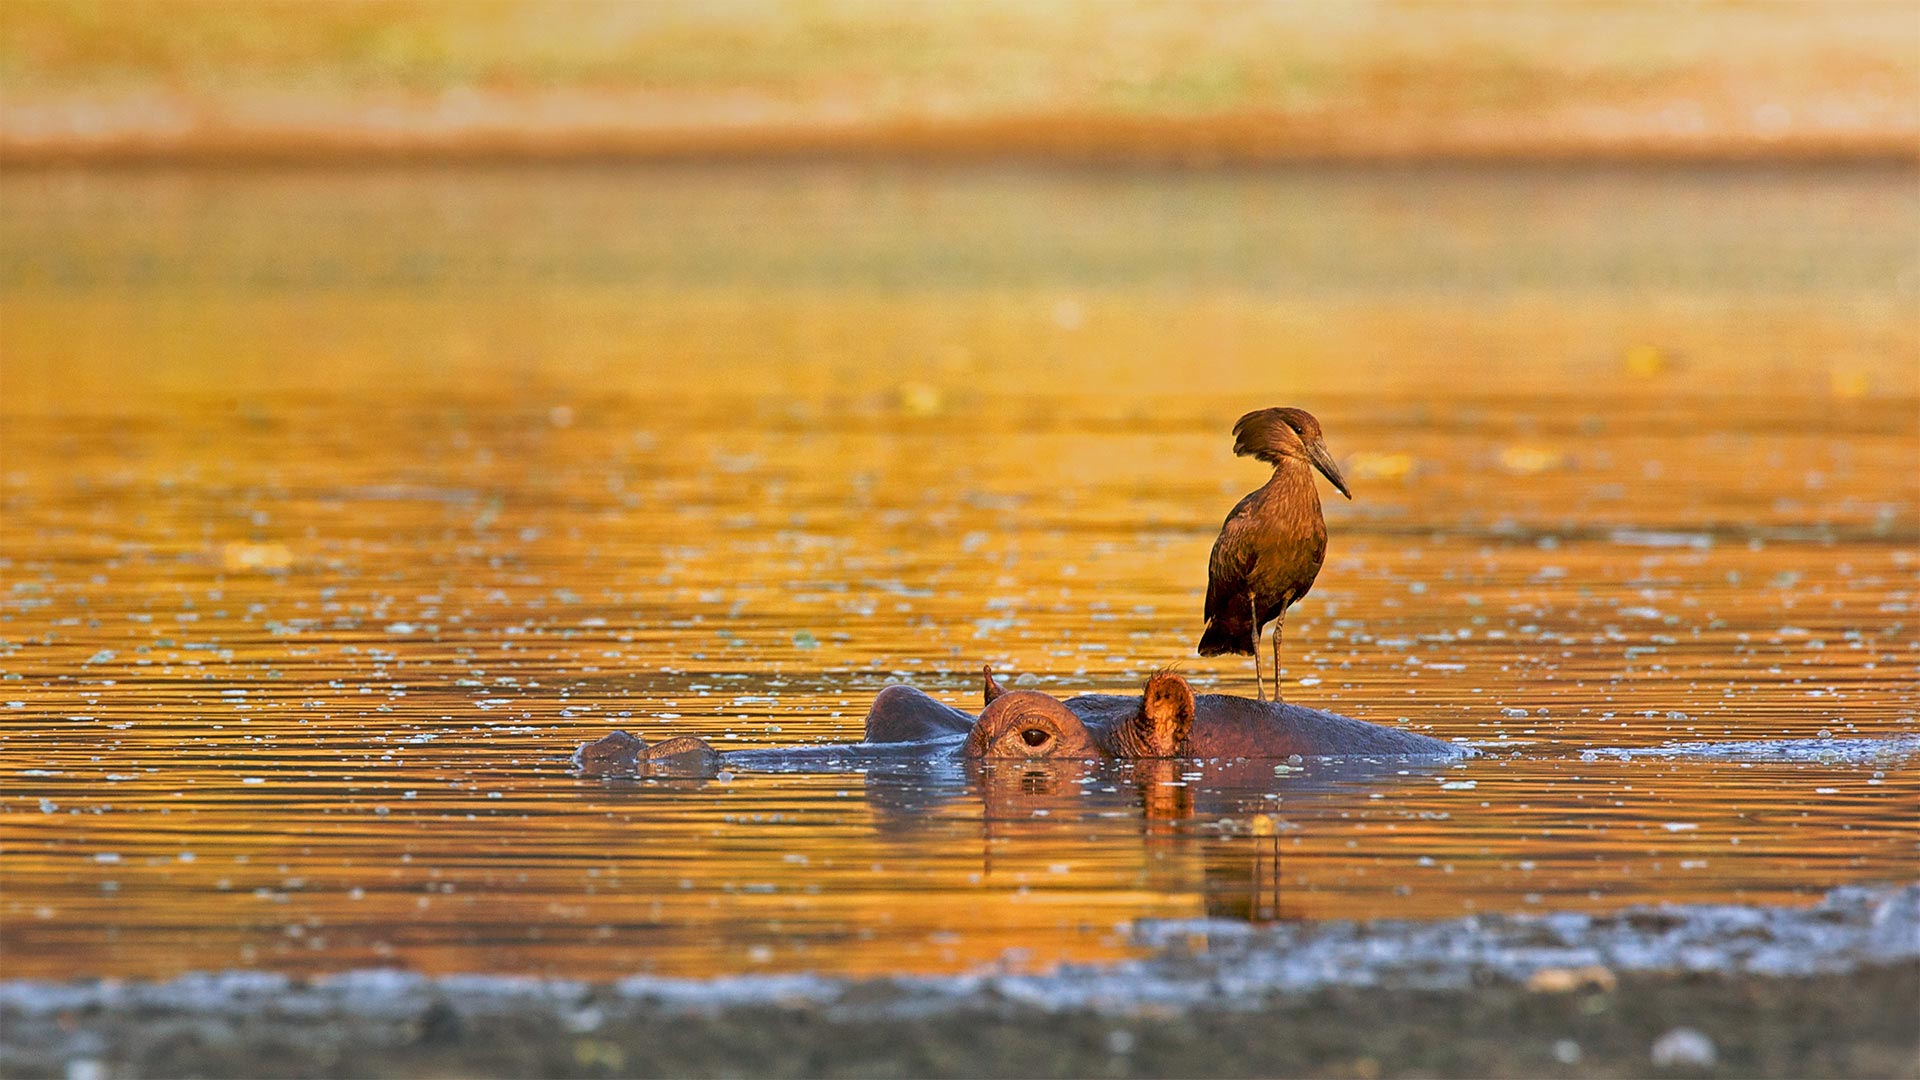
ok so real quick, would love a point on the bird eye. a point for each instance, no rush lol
(1034, 736)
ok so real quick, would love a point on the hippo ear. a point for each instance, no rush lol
(991, 687)
(1166, 715)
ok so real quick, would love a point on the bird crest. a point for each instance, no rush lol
(1271, 434)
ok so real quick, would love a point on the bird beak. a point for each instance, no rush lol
(1317, 453)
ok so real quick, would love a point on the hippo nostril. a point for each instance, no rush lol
(1035, 736)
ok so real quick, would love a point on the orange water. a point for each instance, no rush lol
(337, 507)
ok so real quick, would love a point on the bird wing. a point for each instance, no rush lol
(1231, 561)
(1229, 624)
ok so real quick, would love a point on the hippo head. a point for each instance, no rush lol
(1026, 724)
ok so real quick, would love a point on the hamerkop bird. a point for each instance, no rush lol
(1271, 546)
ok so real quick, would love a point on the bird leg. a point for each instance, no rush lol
(1253, 613)
(1279, 624)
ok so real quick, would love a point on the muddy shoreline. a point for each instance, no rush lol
(1829, 990)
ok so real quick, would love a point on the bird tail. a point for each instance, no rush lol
(1226, 636)
(1264, 434)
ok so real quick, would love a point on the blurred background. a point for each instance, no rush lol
(394, 395)
(937, 197)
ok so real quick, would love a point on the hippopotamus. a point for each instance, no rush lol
(1168, 720)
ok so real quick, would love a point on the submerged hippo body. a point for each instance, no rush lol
(1166, 721)
(901, 714)
(903, 725)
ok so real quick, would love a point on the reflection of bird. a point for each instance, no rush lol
(1271, 546)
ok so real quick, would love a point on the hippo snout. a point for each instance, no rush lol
(615, 752)
(621, 754)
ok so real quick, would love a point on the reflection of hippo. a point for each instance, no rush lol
(1167, 721)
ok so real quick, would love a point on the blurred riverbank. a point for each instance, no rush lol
(1134, 82)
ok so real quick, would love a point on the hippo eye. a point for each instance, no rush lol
(1034, 736)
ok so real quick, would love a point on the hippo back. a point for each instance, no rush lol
(1228, 726)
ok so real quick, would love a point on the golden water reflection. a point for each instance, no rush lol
(338, 506)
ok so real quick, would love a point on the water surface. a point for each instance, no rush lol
(338, 506)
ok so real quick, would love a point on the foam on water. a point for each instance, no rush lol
(1818, 751)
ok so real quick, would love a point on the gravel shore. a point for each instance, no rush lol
(1685, 991)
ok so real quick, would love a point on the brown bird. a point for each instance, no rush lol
(1271, 546)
